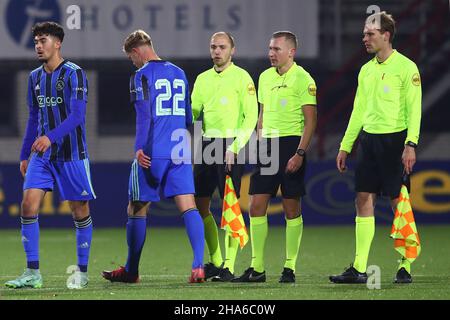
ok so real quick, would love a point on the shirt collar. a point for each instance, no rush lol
(59, 66)
(388, 60)
(223, 71)
(293, 66)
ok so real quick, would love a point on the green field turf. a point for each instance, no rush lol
(166, 260)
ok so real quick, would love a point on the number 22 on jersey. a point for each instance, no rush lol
(176, 98)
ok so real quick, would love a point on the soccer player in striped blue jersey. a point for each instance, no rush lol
(54, 150)
(159, 92)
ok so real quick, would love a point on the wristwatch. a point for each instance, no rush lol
(301, 152)
(411, 144)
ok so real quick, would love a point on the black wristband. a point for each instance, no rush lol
(301, 152)
(411, 144)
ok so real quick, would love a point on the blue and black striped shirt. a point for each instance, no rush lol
(51, 99)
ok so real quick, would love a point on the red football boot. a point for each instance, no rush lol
(197, 275)
(120, 275)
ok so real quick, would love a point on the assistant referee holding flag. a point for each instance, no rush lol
(226, 95)
(386, 116)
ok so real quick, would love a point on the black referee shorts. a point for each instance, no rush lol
(209, 176)
(293, 184)
(379, 167)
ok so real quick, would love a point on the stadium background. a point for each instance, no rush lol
(329, 33)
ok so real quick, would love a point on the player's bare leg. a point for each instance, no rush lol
(31, 202)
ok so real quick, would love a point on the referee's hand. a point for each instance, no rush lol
(143, 160)
(409, 159)
(340, 161)
(294, 164)
(230, 159)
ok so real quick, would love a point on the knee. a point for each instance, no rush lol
(130, 209)
(256, 209)
(137, 209)
(29, 208)
(203, 206)
(80, 209)
(292, 214)
(363, 201)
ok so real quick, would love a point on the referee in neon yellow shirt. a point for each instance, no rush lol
(287, 94)
(386, 116)
(226, 95)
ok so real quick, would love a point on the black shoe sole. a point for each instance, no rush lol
(403, 281)
(211, 276)
(218, 279)
(348, 281)
(257, 280)
(286, 281)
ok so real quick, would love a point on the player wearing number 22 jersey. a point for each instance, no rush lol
(160, 95)
(159, 91)
(161, 88)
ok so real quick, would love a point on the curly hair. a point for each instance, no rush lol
(50, 28)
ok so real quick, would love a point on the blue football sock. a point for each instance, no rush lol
(84, 238)
(30, 240)
(136, 232)
(196, 234)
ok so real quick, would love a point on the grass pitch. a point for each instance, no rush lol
(166, 259)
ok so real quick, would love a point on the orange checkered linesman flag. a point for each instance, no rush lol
(404, 230)
(232, 219)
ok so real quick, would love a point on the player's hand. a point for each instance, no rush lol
(409, 159)
(340, 161)
(41, 144)
(294, 164)
(230, 159)
(143, 160)
(23, 167)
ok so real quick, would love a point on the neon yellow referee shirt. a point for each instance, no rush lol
(229, 104)
(283, 97)
(388, 100)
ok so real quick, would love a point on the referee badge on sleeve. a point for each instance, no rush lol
(416, 79)
(312, 89)
(251, 89)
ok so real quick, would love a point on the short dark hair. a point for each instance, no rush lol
(387, 23)
(48, 27)
(288, 35)
(136, 39)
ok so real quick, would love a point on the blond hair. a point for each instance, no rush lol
(136, 39)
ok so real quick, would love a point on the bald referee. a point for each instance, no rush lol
(226, 96)
(386, 117)
(287, 94)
